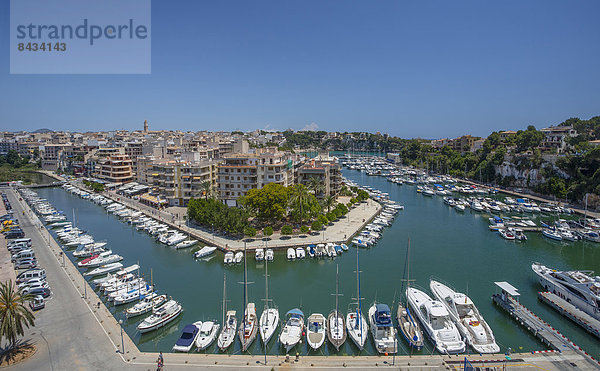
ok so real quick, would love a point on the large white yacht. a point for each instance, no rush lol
(436, 321)
(467, 318)
(580, 288)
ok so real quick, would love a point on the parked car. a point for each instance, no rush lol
(28, 289)
(26, 264)
(31, 274)
(41, 291)
(37, 303)
(32, 283)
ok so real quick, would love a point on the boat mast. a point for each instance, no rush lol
(358, 307)
(224, 296)
(245, 286)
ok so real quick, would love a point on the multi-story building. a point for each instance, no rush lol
(463, 144)
(327, 170)
(555, 137)
(113, 165)
(240, 172)
(178, 181)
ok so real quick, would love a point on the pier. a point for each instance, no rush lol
(568, 310)
(539, 328)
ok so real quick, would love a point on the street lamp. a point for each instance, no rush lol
(122, 343)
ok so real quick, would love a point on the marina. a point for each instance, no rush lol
(280, 268)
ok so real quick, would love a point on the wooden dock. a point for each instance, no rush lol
(568, 310)
(539, 328)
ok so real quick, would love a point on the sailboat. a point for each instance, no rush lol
(356, 324)
(407, 324)
(269, 319)
(336, 329)
(227, 335)
(247, 332)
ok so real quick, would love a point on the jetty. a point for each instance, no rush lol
(507, 300)
(589, 323)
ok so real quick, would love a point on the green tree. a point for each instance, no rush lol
(268, 231)
(331, 216)
(249, 232)
(329, 202)
(14, 313)
(304, 229)
(316, 225)
(316, 185)
(303, 204)
(323, 219)
(268, 203)
(286, 230)
(205, 189)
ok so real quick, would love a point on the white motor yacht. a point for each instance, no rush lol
(228, 258)
(467, 318)
(187, 338)
(161, 317)
(205, 251)
(436, 321)
(300, 253)
(239, 256)
(208, 334)
(148, 304)
(316, 329)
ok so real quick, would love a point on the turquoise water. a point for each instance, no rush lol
(456, 247)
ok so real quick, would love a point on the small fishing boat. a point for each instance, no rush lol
(506, 233)
(269, 255)
(291, 253)
(239, 256)
(188, 337)
(317, 327)
(228, 258)
(259, 255)
(300, 253)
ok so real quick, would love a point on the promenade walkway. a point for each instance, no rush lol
(337, 232)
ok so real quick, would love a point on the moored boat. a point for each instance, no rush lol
(316, 329)
(161, 317)
(188, 337)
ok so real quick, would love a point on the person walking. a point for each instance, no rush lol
(160, 362)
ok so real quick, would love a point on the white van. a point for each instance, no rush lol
(30, 274)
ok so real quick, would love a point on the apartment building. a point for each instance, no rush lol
(178, 181)
(113, 165)
(327, 170)
(555, 137)
(240, 172)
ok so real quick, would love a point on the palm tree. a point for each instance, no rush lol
(206, 188)
(315, 185)
(299, 196)
(329, 202)
(13, 312)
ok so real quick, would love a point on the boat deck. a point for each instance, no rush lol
(540, 329)
(568, 310)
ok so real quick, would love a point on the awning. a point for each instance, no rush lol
(510, 289)
(155, 174)
(197, 178)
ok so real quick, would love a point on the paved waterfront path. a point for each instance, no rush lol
(337, 232)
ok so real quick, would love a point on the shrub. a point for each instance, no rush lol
(342, 209)
(322, 219)
(316, 225)
(338, 213)
(286, 230)
(249, 232)
(268, 231)
(331, 216)
(353, 200)
(304, 229)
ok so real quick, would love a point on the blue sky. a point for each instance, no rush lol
(410, 68)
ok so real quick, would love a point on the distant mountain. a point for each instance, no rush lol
(43, 131)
